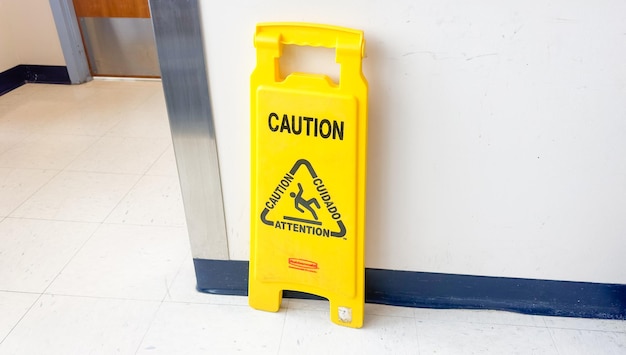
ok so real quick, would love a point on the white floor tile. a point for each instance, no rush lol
(72, 94)
(478, 316)
(77, 196)
(213, 329)
(584, 342)
(43, 92)
(12, 99)
(33, 252)
(77, 325)
(156, 104)
(141, 126)
(472, 338)
(384, 310)
(84, 120)
(42, 151)
(308, 305)
(154, 200)
(312, 332)
(30, 116)
(148, 120)
(134, 262)
(9, 140)
(108, 104)
(165, 165)
(121, 155)
(116, 97)
(13, 306)
(17, 185)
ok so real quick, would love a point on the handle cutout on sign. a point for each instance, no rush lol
(309, 60)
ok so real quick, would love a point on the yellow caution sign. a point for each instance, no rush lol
(308, 173)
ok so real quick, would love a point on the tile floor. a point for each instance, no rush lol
(94, 256)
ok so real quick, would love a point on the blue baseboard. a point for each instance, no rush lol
(433, 290)
(19, 75)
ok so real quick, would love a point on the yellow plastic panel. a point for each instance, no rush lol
(308, 173)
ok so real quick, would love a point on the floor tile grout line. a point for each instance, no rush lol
(29, 168)
(104, 220)
(547, 327)
(483, 323)
(65, 168)
(59, 168)
(179, 270)
(217, 304)
(143, 173)
(72, 257)
(165, 151)
(554, 342)
(104, 172)
(590, 330)
(100, 172)
(56, 294)
(61, 113)
(172, 226)
(282, 331)
(89, 297)
(100, 225)
(142, 176)
(20, 292)
(129, 109)
(133, 186)
(98, 138)
(21, 318)
(163, 300)
(154, 316)
(58, 172)
(52, 220)
(417, 335)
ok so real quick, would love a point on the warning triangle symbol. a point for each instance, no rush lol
(303, 203)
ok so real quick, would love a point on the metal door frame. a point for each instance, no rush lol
(178, 33)
(71, 40)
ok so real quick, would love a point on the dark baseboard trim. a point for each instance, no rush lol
(433, 290)
(11, 79)
(21, 74)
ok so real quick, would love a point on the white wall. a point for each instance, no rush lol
(28, 34)
(8, 52)
(497, 142)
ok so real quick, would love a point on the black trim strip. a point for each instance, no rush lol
(21, 74)
(433, 290)
(11, 79)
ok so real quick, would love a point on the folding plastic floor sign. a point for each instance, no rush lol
(309, 139)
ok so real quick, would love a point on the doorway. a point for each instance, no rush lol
(118, 37)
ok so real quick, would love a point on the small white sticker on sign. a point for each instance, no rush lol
(345, 314)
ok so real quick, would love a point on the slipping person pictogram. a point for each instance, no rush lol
(300, 201)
